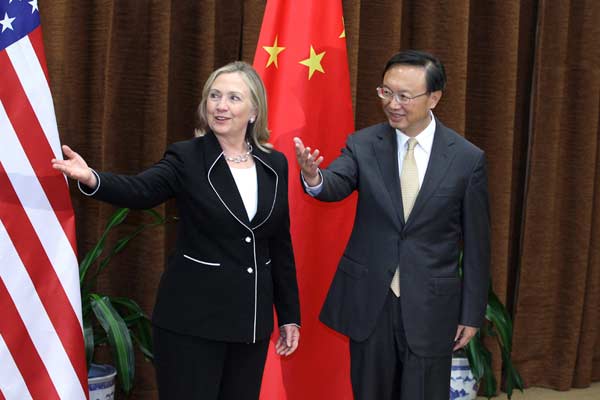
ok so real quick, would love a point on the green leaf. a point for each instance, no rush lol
(121, 321)
(117, 248)
(119, 339)
(86, 307)
(497, 314)
(122, 243)
(139, 322)
(476, 355)
(159, 219)
(480, 358)
(117, 218)
(512, 378)
(88, 338)
(488, 379)
(145, 348)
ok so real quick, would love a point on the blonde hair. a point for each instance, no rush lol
(257, 131)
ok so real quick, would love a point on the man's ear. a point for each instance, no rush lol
(434, 99)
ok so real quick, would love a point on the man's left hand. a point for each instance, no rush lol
(463, 335)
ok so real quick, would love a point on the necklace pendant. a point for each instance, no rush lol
(240, 158)
(237, 159)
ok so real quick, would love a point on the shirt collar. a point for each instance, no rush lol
(425, 138)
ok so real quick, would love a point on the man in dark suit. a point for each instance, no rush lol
(422, 198)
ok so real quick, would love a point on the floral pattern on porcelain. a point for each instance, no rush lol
(463, 385)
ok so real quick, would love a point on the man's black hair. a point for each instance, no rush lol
(435, 75)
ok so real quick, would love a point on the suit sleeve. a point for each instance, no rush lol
(285, 284)
(476, 256)
(340, 178)
(146, 189)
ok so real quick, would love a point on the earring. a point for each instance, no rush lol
(252, 120)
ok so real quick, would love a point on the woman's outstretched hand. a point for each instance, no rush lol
(75, 167)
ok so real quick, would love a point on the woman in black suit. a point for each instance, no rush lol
(233, 259)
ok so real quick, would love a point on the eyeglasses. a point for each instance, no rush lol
(387, 94)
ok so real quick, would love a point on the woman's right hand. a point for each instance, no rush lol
(75, 167)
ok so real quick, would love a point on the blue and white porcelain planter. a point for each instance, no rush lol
(101, 382)
(463, 385)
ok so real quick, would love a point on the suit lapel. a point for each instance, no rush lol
(386, 150)
(268, 180)
(439, 162)
(221, 180)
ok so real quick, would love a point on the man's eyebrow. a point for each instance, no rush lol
(399, 91)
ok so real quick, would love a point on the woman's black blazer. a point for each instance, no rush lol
(226, 272)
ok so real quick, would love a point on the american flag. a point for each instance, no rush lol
(41, 340)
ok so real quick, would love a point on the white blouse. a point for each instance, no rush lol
(247, 184)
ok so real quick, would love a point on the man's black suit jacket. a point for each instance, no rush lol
(451, 212)
(226, 272)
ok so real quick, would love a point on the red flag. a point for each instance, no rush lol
(301, 56)
(41, 338)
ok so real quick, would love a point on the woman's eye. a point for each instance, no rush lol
(235, 98)
(214, 96)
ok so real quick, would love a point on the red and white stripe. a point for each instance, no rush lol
(41, 340)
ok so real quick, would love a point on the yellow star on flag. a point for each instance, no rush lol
(343, 34)
(313, 62)
(273, 53)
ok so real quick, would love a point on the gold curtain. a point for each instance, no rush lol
(523, 84)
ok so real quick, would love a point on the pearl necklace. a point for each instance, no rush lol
(240, 158)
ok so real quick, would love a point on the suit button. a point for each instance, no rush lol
(248, 239)
(250, 270)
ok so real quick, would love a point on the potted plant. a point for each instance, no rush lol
(118, 322)
(497, 324)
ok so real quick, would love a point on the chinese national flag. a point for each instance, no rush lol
(301, 56)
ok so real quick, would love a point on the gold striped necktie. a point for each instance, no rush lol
(409, 183)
